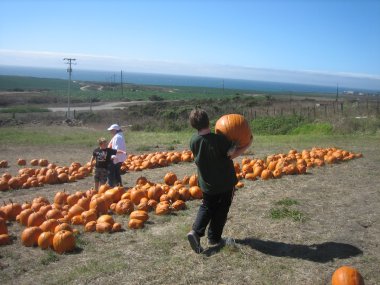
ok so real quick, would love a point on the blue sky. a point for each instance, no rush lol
(318, 42)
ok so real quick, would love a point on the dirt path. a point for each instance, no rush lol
(104, 106)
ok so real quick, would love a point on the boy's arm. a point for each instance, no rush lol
(236, 151)
(121, 151)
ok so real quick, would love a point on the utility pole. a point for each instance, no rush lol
(121, 82)
(69, 61)
(337, 92)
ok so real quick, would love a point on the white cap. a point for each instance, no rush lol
(115, 127)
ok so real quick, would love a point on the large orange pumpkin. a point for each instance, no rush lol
(139, 215)
(346, 275)
(29, 236)
(45, 240)
(63, 241)
(235, 127)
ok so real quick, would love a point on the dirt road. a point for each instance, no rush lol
(105, 106)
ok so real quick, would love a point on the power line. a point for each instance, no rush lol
(69, 61)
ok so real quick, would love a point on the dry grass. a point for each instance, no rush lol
(340, 203)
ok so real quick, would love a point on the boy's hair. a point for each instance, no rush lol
(102, 141)
(199, 119)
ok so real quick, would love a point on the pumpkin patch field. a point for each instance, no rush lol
(304, 207)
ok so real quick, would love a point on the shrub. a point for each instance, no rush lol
(280, 125)
(313, 128)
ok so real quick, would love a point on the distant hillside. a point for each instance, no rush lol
(22, 83)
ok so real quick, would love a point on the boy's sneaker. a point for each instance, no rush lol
(195, 241)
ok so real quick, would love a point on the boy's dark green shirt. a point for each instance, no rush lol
(216, 172)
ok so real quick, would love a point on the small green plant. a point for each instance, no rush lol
(80, 242)
(50, 257)
(285, 211)
(287, 202)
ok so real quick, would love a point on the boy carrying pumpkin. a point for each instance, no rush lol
(213, 154)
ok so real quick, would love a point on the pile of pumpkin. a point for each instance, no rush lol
(156, 159)
(49, 173)
(93, 209)
(293, 162)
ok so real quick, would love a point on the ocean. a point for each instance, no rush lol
(166, 80)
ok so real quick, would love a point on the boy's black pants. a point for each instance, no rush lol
(114, 175)
(213, 212)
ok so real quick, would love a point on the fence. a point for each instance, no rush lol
(317, 109)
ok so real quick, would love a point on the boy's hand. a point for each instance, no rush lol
(231, 150)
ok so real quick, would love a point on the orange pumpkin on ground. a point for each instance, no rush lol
(29, 236)
(346, 275)
(196, 192)
(170, 178)
(135, 224)
(139, 215)
(63, 241)
(4, 239)
(45, 240)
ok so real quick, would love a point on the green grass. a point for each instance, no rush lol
(286, 211)
(313, 128)
(287, 202)
(50, 257)
(24, 109)
(147, 141)
(282, 213)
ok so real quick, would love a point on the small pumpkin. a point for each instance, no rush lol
(170, 178)
(346, 275)
(90, 226)
(135, 224)
(4, 239)
(196, 192)
(162, 208)
(124, 206)
(103, 227)
(49, 225)
(106, 219)
(116, 227)
(179, 205)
